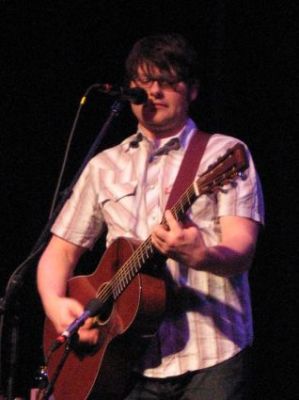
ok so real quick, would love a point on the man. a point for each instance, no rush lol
(200, 350)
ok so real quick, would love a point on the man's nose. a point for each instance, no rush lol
(155, 88)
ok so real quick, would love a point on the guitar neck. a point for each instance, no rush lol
(146, 251)
(184, 203)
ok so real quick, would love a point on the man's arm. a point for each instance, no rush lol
(56, 266)
(231, 256)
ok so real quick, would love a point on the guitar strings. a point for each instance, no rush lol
(123, 271)
(126, 270)
(131, 267)
(180, 206)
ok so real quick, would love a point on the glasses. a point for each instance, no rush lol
(164, 82)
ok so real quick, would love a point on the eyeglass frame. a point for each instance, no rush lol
(163, 82)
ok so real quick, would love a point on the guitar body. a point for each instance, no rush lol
(104, 371)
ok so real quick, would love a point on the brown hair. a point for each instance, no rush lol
(170, 53)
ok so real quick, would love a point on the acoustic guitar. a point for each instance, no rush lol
(129, 283)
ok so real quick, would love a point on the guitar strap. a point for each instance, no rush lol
(189, 166)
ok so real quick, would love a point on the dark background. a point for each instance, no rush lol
(52, 51)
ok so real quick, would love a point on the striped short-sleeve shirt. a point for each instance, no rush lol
(126, 188)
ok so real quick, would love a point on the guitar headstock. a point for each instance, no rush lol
(232, 164)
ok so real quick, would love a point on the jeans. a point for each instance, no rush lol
(229, 380)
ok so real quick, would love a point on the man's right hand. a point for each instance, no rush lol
(63, 311)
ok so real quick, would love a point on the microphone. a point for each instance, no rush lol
(92, 309)
(133, 95)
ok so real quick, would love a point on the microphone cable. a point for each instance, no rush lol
(67, 150)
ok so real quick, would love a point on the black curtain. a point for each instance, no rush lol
(51, 52)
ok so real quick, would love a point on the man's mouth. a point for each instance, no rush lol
(156, 105)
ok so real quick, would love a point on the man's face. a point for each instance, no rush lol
(166, 110)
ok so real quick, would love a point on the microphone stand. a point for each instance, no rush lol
(16, 280)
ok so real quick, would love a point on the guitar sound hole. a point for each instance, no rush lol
(105, 312)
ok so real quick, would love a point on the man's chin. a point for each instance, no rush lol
(159, 129)
(156, 126)
(156, 121)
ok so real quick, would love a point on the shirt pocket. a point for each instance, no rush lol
(117, 191)
(118, 203)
